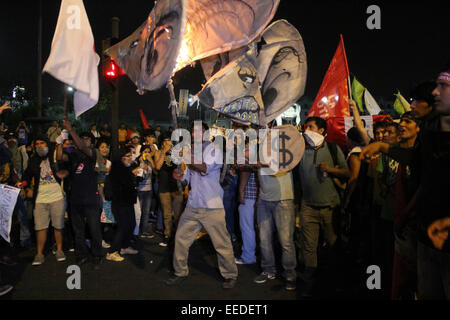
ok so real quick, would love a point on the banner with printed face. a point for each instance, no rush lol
(214, 27)
(149, 55)
(234, 91)
(180, 32)
(282, 66)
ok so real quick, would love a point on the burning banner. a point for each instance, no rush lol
(149, 55)
(180, 32)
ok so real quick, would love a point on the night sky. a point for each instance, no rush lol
(412, 45)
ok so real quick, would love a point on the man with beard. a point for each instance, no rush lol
(48, 198)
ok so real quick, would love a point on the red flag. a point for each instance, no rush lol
(332, 99)
(337, 128)
(144, 120)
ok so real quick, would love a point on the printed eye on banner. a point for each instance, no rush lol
(282, 64)
(148, 56)
(180, 32)
(234, 91)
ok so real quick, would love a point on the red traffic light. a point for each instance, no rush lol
(111, 70)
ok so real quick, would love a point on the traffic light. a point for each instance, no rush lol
(111, 71)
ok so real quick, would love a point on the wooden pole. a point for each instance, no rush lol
(65, 101)
(173, 103)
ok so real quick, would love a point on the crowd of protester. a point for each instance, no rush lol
(379, 201)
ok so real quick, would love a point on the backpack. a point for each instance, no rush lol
(339, 183)
(341, 218)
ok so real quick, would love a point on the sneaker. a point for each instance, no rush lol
(115, 256)
(240, 261)
(128, 250)
(38, 260)
(175, 280)
(5, 289)
(105, 244)
(147, 235)
(60, 256)
(164, 242)
(72, 250)
(263, 277)
(229, 283)
(291, 285)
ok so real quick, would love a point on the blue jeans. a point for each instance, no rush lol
(279, 215)
(247, 223)
(22, 212)
(145, 198)
(229, 203)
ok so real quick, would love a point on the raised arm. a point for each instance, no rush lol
(358, 122)
(76, 139)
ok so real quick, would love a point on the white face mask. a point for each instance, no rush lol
(313, 139)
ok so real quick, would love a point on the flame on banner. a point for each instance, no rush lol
(184, 55)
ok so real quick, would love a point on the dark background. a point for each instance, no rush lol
(412, 45)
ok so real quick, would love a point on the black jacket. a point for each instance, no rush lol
(34, 171)
(430, 161)
(123, 184)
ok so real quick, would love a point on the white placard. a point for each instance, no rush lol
(8, 199)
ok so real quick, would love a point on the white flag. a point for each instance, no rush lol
(371, 105)
(72, 57)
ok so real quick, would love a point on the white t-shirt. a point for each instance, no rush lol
(49, 189)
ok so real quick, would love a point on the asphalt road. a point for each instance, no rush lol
(142, 276)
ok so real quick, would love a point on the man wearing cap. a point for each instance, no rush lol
(48, 198)
(84, 195)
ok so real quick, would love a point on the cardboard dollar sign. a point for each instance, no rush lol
(291, 147)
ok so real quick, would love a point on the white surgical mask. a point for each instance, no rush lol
(42, 152)
(313, 139)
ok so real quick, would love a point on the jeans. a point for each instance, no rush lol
(279, 215)
(213, 220)
(433, 271)
(137, 216)
(229, 203)
(172, 205)
(247, 223)
(22, 211)
(126, 222)
(312, 220)
(145, 198)
(90, 214)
